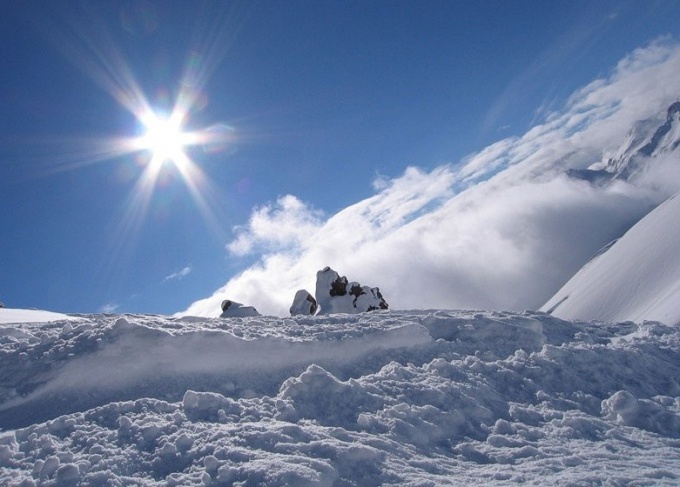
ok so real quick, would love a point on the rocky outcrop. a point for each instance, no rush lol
(335, 294)
(232, 309)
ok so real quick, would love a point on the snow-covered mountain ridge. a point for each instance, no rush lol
(649, 139)
(385, 398)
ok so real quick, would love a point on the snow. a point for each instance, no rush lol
(418, 398)
(636, 279)
(10, 315)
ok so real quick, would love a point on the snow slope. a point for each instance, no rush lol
(386, 398)
(637, 278)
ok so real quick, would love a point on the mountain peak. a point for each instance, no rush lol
(648, 139)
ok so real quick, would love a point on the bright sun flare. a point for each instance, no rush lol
(161, 147)
(164, 139)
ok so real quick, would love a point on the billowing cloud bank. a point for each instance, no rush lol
(503, 229)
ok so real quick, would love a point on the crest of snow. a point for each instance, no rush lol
(10, 315)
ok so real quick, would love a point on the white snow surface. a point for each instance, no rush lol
(635, 279)
(416, 398)
(15, 315)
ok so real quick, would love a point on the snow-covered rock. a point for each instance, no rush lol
(232, 309)
(636, 278)
(334, 294)
(303, 304)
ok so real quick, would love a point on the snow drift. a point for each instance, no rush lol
(382, 398)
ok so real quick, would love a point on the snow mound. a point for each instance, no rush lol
(635, 279)
(387, 398)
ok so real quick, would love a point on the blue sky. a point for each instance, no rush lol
(325, 105)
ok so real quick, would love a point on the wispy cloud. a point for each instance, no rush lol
(180, 274)
(553, 60)
(503, 229)
(109, 308)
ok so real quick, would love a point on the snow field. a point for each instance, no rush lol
(389, 398)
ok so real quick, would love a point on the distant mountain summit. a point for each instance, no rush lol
(648, 139)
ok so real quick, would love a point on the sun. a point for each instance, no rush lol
(157, 154)
(165, 139)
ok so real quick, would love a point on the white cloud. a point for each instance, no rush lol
(285, 224)
(666, 175)
(109, 308)
(502, 230)
(180, 274)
